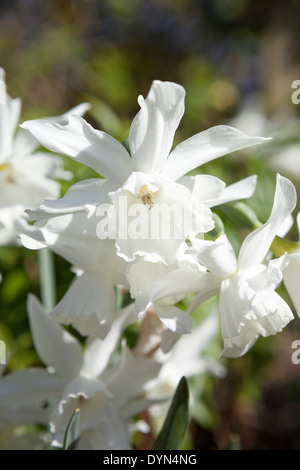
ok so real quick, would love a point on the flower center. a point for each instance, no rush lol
(6, 169)
(146, 196)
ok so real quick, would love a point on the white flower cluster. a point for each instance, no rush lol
(143, 227)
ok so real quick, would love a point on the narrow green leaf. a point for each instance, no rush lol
(241, 215)
(47, 278)
(72, 431)
(174, 427)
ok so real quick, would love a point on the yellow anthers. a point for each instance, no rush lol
(6, 168)
(146, 197)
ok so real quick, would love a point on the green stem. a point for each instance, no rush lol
(47, 278)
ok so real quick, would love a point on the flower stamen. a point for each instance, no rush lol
(146, 196)
(5, 167)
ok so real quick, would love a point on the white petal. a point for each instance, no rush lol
(291, 280)
(206, 146)
(158, 234)
(98, 352)
(241, 190)
(80, 141)
(77, 199)
(218, 256)
(78, 110)
(130, 376)
(152, 131)
(29, 388)
(88, 304)
(111, 434)
(55, 346)
(173, 318)
(207, 188)
(9, 118)
(242, 323)
(177, 282)
(257, 244)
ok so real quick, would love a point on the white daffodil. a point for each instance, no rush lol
(26, 175)
(107, 392)
(249, 305)
(142, 275)
(89, 302)
(151, 212)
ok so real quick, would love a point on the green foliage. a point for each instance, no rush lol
(72, 431)
(174, 427)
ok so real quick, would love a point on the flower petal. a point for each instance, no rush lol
(207, 188)
(291, 279)
(242, 322)
(80, 141)
(130, 375)
(257, 244)
(9, 117)
(152, 131)
(174, 319)
(98, 352)
(55, 346)
(206, 146)
(88, 304)
(217, 256)
(241, 190)
(80, 197)
(29, 388)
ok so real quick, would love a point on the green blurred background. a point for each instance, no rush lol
(237, 61)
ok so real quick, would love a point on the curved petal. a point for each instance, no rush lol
(178, 282)
(217, 256)
(291, 280)
(243, 322)
(207, 188)
(55, 346)
(9, 117)
(243, 189)
(88, 304)
(80, 197)
(98, 352)
(152, 131)
(79, 141)
(206, 146)
(174, 319)
(130, 375)
(257, 244)
(29, 388)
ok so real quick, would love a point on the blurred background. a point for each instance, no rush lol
(237, 62)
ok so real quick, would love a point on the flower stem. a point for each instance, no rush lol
(47, 278)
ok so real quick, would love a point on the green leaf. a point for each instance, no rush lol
(72, 431)
(174, 427)
(241, 215)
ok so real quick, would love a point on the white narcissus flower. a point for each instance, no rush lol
(107, 392)
(142, 275)
(249, 305)
(148, 180)
(89, 303)
(26, 175)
